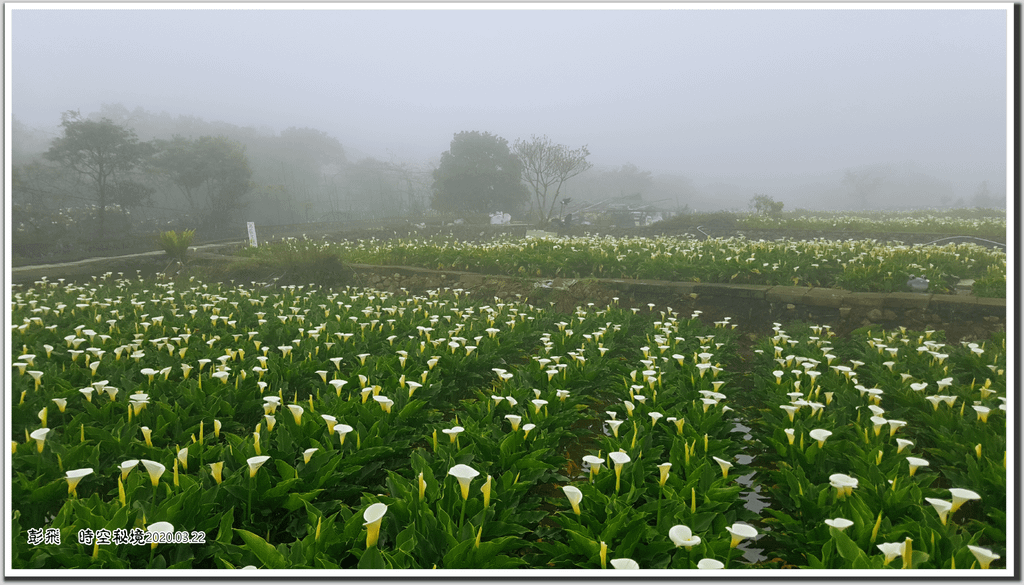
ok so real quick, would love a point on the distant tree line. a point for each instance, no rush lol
(120, 172)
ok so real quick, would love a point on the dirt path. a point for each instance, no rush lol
(147, 263)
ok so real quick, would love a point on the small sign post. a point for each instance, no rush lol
(252, 233)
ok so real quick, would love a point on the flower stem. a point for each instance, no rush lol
(462, 516)
(658, 521)
(248, 510)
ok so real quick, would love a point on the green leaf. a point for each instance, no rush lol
(296, 501)
(406, 540)
(280, 489)
(224, 533)
(372, 559)
(583, 545)
(846, 547)
(270, 556)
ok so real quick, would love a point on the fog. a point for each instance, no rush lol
(715, 105)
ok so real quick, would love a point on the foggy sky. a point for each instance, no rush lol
(726, 91)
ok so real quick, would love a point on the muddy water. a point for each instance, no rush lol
(752, 497)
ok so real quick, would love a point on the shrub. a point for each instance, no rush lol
(177, 245)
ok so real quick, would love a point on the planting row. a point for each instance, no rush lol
(206, 426)
(860, 266)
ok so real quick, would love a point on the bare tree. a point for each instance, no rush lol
(864, 182)
(547, 165)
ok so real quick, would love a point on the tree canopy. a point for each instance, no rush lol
(479, 174)
(547, 165)
(212, 172)
(108, 155)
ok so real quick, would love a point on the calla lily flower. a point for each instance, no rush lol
(74, 476)
(61, 403)
(894, 425)
(790, 410)
(902, 444)
(296, 411)
(575, 496)
(663, 471)
(373, 516)
(628, 564)
(270, 404)
(942, 507)
(342, 430)
(307, 454)
(961, 496)
(877, 423)
(515, 419)
(40, 437)
(217, 469)
(147, 434)
(982, 412)
(681, 535)
(527, 428)
(725, 465)
(331, 421)
(891, 550)
(465, 475)
(127, 467)
(984, 555)
(183, 458)
(790, 435)
(916, 462)
(594, 463)
(413, 386)
(618, 459)
(820, 435)
(453, 433)
(710, 564)
(843, 483)
(337, 385)
(486, 491)
(538, 403)
(159, 527)
(255, 463)
(839, 523)
(155, 470)
(614, 424)
(740, 532)
(384, 402)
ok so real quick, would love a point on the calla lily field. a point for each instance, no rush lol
(247, 425)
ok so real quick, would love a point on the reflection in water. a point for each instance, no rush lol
(754, 502)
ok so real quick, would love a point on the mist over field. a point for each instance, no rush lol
(345, 111)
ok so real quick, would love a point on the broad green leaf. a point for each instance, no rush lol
(270, 556)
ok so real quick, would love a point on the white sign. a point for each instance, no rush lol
(252, 233)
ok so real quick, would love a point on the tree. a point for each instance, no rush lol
(547, 165)
(181, 162)
(212, 172)
(766, 206)
(984, 198)
(107, 154)
(478, 173)
(864, 182)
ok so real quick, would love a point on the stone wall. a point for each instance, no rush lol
(753, 308)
